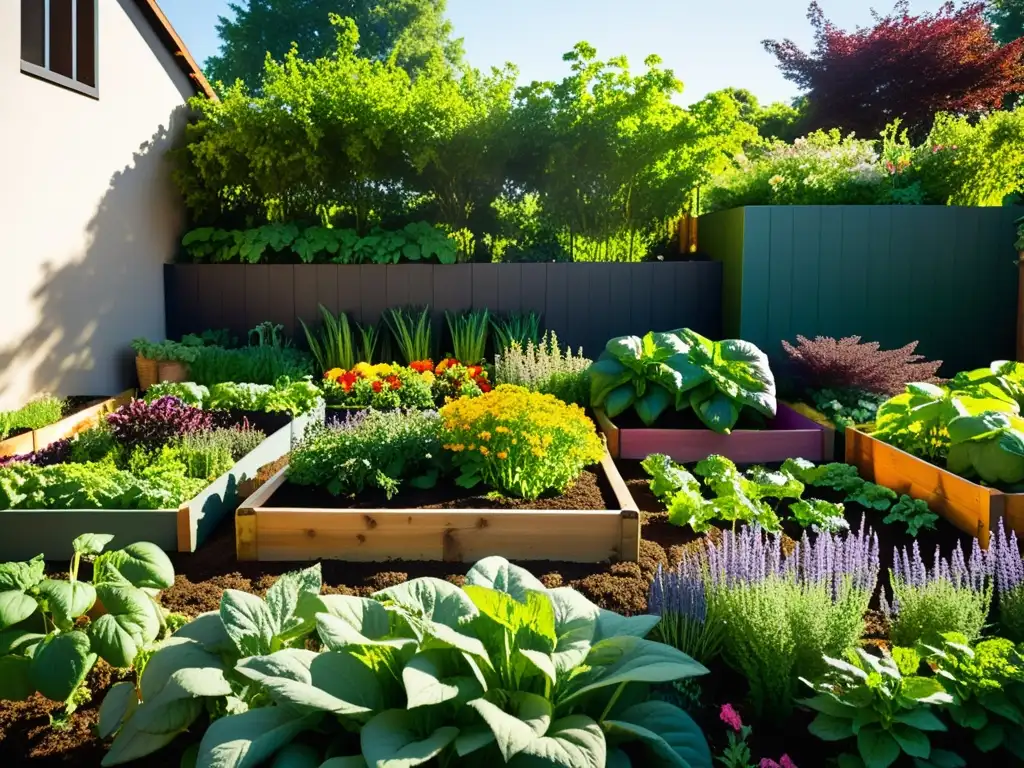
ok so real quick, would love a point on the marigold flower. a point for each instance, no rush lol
(334, 374)
(377, 386)
(483, 450)
(485, 435)
(502, 455)
(502, 430)
(484, 386)
(472, 446)
(423, 366)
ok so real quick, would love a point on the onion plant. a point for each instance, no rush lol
(411, 331)
(469, 335)
(334, 347)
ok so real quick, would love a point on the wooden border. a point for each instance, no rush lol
(971, 507)
(460, 535)
(66, 427)
(810, 440)
(27, 532)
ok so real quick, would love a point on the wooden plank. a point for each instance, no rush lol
(485, 286)
(618, 314)
(77, 422)
(806, 246)
(281, 278)
(880, 290)
(233, 300)
(210, 293)
(852, 271)
(755, 294)
(421, 285)
(780, 278)
(556, 314)
(50, 532)
(595, 308)
(578, 306)
(610, 431)
(833, 310)
(306, 305)
(662, 304)
(510, 288)
(184, 285)
(373, 293)
(399, 285)
(257, 295)
(19, 445)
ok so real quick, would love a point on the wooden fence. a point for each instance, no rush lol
(585, 304)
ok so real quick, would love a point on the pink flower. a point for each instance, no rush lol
(767, 762)
(785, 762)
(731, 717)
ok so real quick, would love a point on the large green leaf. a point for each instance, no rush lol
(145, 565)
(19, 641)
(292, 601)
(619, 400)
(296, 755)
(368, 617)
(130, 623)
(208, 630)
(394, 739)
(118, 705)
(606, 375)
(335, 682)
(248, 622)
(433, 599)
(626, 659)
(20, 577)
(15, 678)
(246, 740)
(15, 607)
(60, 665)
(671, 735)
(653, 403)
(91, 544)
(67, 600)
(716, 410)
(576, 621)
(198, 671)
(877, 747)
(912, 741)
(575, 741)
(525, 718)
(434, 677)
(498, 573)
(338, 634)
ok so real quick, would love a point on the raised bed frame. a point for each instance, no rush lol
(973, 508)
(66, 427)
(789, 435)
(452, 535)
(28, 532)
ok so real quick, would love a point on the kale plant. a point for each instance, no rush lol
(914, 513)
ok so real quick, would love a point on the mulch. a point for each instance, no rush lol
(27, 738)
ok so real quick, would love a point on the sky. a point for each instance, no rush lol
(710, 44)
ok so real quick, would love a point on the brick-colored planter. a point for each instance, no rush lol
(265, 532)
(789, 435)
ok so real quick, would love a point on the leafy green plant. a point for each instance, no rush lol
(519, 327)
(847, 408)
(872, 496)
(986, 683)
(35, 414)
(989, 446)
(843, 478)
(49, 646)
(411, 332)
(469, 335)
(914, 513)
(335, 347)
(254, 365)
(207, 455)
(502, 670)
(283, 396)
(188, 392)
(819, 515)
(884, 705)
(167, 351)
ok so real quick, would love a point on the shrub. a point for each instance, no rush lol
(954, 595)
(399, 678)
(846, 407)
(518, 442)
(370, 449)
(849, 364)
(188, 392)
(782, 614)
(544, 368)
(1009, 577)
(152, 425)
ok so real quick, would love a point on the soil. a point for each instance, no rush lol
(591, 491)
(26, 737)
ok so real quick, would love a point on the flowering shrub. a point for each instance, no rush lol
(453, 380)
(383, 387)
(142, 424)
(543, 367)
(519, 442)
(1009, 577)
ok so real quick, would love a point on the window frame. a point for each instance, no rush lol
(43, 73)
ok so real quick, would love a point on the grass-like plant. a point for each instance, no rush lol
(411, 331)
(369, 341)
(954, 595)
(209, 454)
(518, 327)
(469, 335)
(544, 367)
(334, 346)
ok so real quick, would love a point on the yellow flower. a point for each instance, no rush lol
(515, 441)
(472, 446)
(485, 435)
(428, 377)
(334, 374)
(502, 455)
(502, 430)
(364, 369)
(483, 450)
(537, 452)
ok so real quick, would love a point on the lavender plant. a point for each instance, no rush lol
(1009, 577)
(953, 595)
(679, 596)
(782, 615)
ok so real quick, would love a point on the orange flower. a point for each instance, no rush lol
(502, 455)
(421, 366)
(377, 386)
(393, 381)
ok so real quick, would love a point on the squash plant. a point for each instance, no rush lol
(502, 671)
(47, 643)
(683, 369)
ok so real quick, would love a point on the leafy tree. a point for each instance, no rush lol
(1007, 16)
(907, 67)
(408, 30)
(777, 120)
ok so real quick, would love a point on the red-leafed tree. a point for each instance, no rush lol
(908, 67)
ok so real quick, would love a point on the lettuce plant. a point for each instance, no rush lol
(843, 478)
(989, 446)
(500, 671)
(914, 513)
(46, 643)
(187, 392)
(715, 378)
(819, 515)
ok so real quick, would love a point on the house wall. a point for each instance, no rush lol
(88, 212)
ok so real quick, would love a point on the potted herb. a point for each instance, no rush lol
(157, 361)
(686, 396)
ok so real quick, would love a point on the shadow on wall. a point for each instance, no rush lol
(91, 308)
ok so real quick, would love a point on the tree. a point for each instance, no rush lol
(1007, 16)
(408, 30)
(777, 120)
(906, 67)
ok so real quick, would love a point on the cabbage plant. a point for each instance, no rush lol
(502, 671)
(989, 446)
(683, 369)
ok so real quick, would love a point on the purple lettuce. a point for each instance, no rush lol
(57, 452)
(152, 425)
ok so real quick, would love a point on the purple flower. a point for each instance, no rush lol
(909, 570)
(153, 425)
(1009, 567)
(731, 717)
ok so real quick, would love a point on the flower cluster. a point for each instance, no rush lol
(383, 386)
(679, 597)
(519, 442)
(737, 753)
(150, 425)
(452, 379)
(1009, 576)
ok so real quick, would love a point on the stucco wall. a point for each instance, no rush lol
(88, 213)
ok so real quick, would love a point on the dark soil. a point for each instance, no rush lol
(26, 737)
(589, 492)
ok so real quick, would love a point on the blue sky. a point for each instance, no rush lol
(710, 44)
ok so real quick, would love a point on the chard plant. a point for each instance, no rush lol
(502, 671)
(52, 631)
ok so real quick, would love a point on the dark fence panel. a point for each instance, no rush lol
(944, 276)
(585, 304)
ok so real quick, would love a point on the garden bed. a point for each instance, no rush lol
(27, 532)
(788, 435)
(595, 521)
(80, 416)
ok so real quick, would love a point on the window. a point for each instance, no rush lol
(58, 42)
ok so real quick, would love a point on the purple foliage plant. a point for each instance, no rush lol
(152, 425)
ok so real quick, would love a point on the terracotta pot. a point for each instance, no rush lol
(148, 372)
(173, 371)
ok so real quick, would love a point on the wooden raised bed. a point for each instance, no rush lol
(459, 535)
(27, 532)
(973, 508)
(788, 435)
(66, 427)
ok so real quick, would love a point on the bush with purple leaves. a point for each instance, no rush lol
(151, 425)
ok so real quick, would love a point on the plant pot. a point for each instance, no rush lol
(148, 372)
(172, 371)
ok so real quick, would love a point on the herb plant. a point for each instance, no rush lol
(846, 407)
(168, 351)
(679, 597)
(1009, 577)
(518, 442)
(469, 335)
(254, 365)
(49, 644)
(411, 332)
(499, 671)
(545, 368)
(35, 414)
(883, 705)
(914, 513)
(336, 345)
(520, 328)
